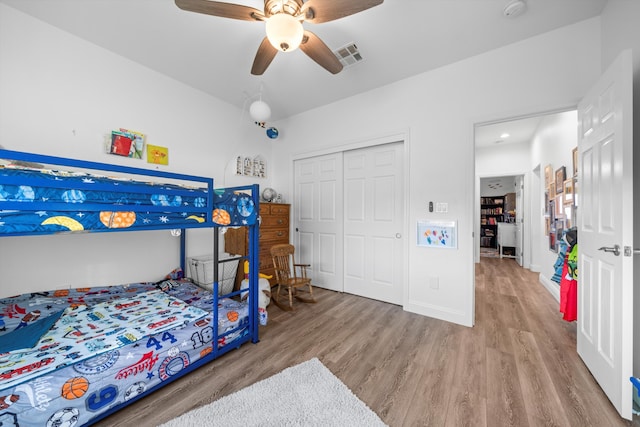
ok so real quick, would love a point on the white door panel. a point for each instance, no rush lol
(605, 220)
(373, 222)
(318, 219)
(327, 263)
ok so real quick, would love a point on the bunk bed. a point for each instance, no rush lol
(74, 356)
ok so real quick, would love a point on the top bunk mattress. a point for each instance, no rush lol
(45, 201)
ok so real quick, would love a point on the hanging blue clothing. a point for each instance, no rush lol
(562, 252)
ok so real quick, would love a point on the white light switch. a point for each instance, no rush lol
(442, 207)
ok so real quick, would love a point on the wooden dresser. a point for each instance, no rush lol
(274, 229)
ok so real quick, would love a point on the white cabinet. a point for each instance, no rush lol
(506, 237)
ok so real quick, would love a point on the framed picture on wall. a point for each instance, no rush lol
(574, 156)
(548, 175)
(561, 175)
(559, 206)
(546, 202)
(559, 230)
(551, 189)
(567, 194)
(547, 225)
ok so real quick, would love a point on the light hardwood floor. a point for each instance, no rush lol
(516, 367)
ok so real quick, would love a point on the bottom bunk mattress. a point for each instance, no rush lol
(69, 356)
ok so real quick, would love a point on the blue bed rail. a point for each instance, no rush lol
(197, 190)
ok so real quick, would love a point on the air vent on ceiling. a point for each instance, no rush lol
(348, 55)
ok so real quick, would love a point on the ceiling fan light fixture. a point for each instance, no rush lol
(284, 32)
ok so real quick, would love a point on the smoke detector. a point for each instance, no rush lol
(514, 8)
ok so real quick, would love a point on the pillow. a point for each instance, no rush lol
(28, 336)
(167, 285)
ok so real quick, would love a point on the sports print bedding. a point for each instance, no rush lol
(69, 356)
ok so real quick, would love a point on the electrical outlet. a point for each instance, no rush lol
(434, 283)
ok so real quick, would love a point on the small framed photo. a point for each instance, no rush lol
(561, 175)
(560, 226)
(547, 226)
(574, 156)
(551, 189)
(548, 175)
(546, 202)
(559, 206)
(567, 194)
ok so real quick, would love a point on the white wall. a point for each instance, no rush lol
(60, 96)
(436, 112)
(552, 144)
(503, 159)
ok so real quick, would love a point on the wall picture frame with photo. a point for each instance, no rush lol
(560, 227)
(567, 194)
(548, 175)
(546, 202)
(547, 225)
(559, 208)
(561, 176)
(574, 157)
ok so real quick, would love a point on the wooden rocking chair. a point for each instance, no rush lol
(289, 276)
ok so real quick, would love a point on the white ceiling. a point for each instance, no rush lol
(398, 39)
(508, 132)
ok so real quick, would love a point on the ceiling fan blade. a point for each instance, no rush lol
(318, 11)
(320, 52)
(264, 56)
(225, 10)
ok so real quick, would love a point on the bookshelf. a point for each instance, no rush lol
(491, 213)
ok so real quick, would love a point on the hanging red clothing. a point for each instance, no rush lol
(568, 293)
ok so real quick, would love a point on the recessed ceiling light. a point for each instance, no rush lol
(504, 135)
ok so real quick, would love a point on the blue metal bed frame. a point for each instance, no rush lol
(252, 256)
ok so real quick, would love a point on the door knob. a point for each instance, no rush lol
(398, 235)
(614, 250)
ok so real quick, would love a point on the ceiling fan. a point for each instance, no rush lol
(284, 25)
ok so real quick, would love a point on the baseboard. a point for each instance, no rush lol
(552, 287)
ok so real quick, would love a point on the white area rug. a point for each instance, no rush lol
(307, 394)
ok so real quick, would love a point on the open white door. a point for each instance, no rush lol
(605, 233)
(519, 219)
